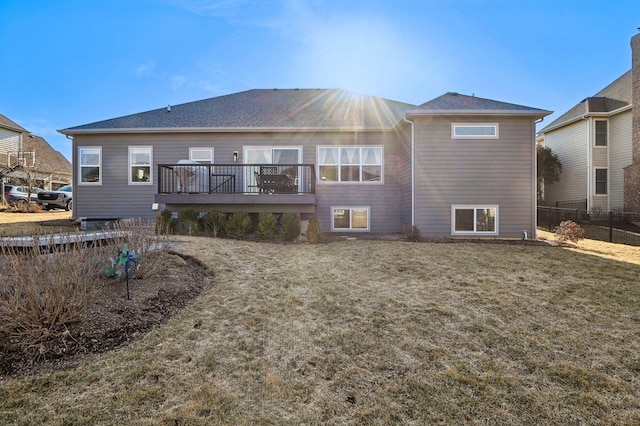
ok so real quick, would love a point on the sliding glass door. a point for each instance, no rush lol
(272, 155)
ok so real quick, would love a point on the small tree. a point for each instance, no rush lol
(549, 169)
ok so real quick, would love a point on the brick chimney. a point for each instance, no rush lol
(632, 172)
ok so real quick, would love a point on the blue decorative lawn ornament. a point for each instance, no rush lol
(124, 266)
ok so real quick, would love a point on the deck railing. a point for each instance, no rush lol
(194, 178)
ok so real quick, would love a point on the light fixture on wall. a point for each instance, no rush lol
(235, 156)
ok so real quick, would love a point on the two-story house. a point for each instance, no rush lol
(598, 143)
(19, 148)
(454, 166)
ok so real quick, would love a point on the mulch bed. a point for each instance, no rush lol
(113, 321)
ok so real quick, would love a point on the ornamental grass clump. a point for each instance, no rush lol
(267, 226)
(314, 231)
(569, 231)
(164, 222)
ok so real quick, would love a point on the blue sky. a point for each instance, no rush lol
(72, 62)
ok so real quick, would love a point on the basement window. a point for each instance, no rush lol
(474, 220)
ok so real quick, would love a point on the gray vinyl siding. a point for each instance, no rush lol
(389, 203)
(619, 157)
(570, 143)
(115, 198)
(475, 172)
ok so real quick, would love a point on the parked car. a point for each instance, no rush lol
(60, 199)
(18, 195)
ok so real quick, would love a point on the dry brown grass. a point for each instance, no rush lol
(371, 332)
(38, 221)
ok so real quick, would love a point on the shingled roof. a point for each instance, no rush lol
(455, 103)
(261, 109)
(615, 96)
(48, 159)
(11, 125)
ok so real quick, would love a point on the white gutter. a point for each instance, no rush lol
(526, 113)
(584, 116)
(218, 130)
(589, 163)
(413, 174)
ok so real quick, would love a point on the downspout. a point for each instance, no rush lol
(413, 177)
(534, 231)
(73, 170)
(589, 163)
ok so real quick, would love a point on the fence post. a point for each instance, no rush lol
(549, 218)
(610, 226)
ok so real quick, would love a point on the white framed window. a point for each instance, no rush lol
(90, 165)
(601, 181)
(474, 220)
(474, 131)
(140, 161)
(349, 218)
(601, 132)
(201, 155)
(350, 164)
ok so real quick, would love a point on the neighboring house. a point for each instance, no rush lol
(24, 156)
(455, 166)
(599, 151)
(10, 143)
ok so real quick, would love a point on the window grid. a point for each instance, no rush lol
(601, 182)
(350, 164)
(140, 160)
(90, 165)
(601, 133)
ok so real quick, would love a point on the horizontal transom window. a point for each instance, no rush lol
(474, 131)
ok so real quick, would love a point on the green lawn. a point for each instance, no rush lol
(370, 332)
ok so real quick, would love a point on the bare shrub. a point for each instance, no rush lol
(42, 293)
(411, 233)
(139, 234)
(569, 231)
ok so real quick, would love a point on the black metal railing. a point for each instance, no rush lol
(195, 178)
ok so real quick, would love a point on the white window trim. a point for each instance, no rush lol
(595, 181)
(150, 148)
(208, 149)
(595, 136)
(475, 207)
(80, 182)
(455, 125)
(350, 182)
(350, 229)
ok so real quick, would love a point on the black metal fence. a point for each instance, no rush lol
(616, 227)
